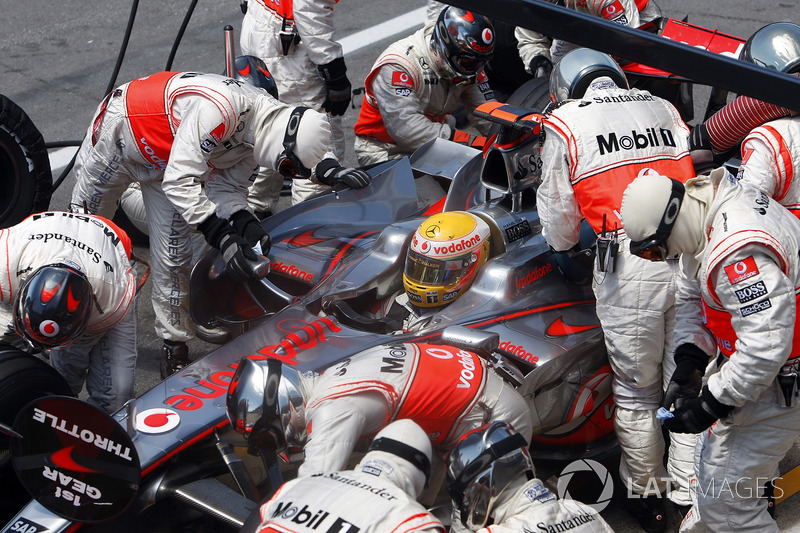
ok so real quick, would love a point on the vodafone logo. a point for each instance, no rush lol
(48, 328)
(457, 246)
(487, 36)
(741, 270)
(402, 79)
(157, 420)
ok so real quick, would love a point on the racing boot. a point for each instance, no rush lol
(651, 512)
(176, 357)
(213, 334)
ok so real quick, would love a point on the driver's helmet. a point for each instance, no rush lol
(462, 43)
(247, 408)
(253, 70)
(775, 46)
(444, 257)
(576, 71)
(481, 467)
(53, 306)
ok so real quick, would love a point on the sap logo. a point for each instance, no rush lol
(25, 526)
(402, 92)
(636, 140)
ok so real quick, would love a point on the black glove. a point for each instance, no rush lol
(246, 225)
(686, 381)
(236, 253)
(330, 172)
(699, 138)
(338, 90)
(697, 415)
(540, 67)
(214, 229)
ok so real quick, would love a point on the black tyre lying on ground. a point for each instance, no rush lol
(26, 181)
(23, 378)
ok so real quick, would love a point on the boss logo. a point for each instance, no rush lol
(756, 290)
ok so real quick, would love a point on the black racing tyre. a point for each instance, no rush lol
(533, 94)
(23, 378)
(26, 182)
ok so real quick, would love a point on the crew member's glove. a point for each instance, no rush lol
(701, 149)
(686, 381)
(338, 90)
(699, 139)
(246, 225)
(213, 229)
(236, 252)
(697, 415)
(330, 172)
(462, 137)
(540, 67)
(235, 249)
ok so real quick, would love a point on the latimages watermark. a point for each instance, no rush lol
(582, 467)
(579, 481)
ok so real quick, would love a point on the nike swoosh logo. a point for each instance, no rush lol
(63, 459)
(558, 328)
(306, 238)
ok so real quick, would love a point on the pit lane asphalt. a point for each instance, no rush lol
(56, 60)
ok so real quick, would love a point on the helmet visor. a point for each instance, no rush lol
(289, 166)
(652, 249)
(429, 271)
(467, 64)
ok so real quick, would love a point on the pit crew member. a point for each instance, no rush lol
(742, 249)
(598, 139)
(67, 286)
(378, 495)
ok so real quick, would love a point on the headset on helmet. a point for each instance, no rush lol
(265, 402)
(775, 46)
(576, 71)
(462, 43)
(481, 467)
(288, 164)
(253, 70)
(53, 306)
(444, 257)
